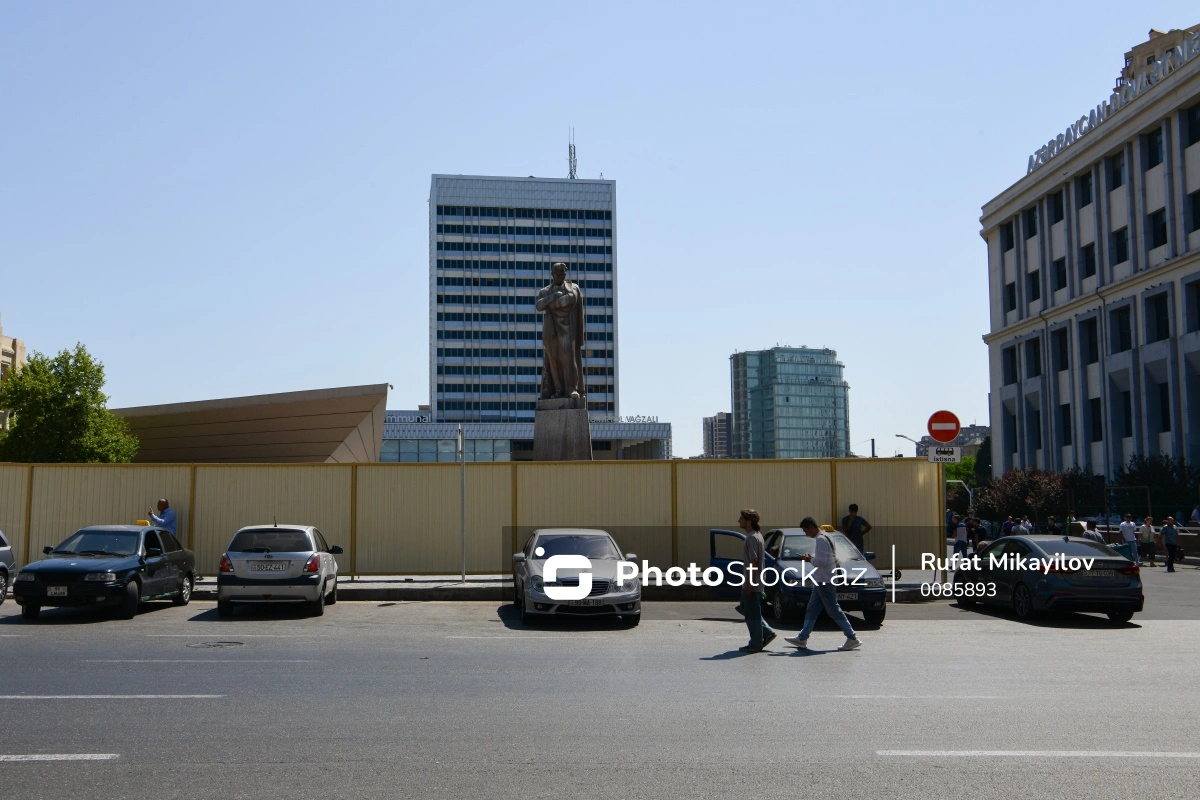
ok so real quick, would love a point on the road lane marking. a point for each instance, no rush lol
(238, 635)
(1034, 754)
(918, 697)
(198, 661)
(111, 696)
(62, 757)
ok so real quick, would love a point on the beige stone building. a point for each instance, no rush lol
(12, 355)
(1094, 277)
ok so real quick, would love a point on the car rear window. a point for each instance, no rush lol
(1085, 548)
(271, 540)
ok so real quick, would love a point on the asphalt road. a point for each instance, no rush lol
(458, 699)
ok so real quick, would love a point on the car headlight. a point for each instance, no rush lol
(100, 577)
(25, 577)
(874, 583)
(537, 584)
(627, 586)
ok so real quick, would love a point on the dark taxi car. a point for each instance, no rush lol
(108, 565)
(1109, 583)
(864, 591)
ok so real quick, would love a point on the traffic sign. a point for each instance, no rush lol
(945, 455)
(944, 426)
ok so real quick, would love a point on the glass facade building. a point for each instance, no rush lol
(491, 244)
(790, 402)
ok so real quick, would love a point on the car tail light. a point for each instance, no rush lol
(313, 564)
(1060, 570)
(226, 564)
(1132, 569)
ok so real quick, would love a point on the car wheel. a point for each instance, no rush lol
(631, 620)
(128, 607)
(331, 598)
(3, 586)
(185, 591)
(875, 616)
(224, 608)
(1022, 602)
(1120, 616)
(317, 607)
(779, 609)
(31, 610)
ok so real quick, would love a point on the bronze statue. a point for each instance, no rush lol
(562, 336)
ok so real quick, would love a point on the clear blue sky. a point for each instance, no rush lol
(223, 199)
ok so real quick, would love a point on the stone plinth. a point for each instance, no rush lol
(562, 431)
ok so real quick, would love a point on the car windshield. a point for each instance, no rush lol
(592, 546)
(1084, 549)
(101, 543)
(796, 545)
(270, 540)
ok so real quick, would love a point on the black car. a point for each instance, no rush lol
(108, 565)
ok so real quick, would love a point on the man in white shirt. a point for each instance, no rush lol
(824, 593)
(1129, 536)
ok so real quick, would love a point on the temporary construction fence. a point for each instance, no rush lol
(404, 519)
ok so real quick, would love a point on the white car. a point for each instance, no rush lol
(608, 596)
(278, 564)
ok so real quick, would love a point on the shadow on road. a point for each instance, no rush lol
(263, 612)
(511, 617)
(1047, 619)
(87, 615)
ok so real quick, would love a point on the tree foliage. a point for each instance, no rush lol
(1173, 484)
(1031, 492)
(60, 415)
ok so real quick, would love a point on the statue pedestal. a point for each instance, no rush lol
(562, 431)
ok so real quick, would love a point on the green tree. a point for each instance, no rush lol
(983, 462)
(1022, 491)
(60, 415)
(1173, 484)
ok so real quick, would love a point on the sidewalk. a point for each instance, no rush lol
(500, 588)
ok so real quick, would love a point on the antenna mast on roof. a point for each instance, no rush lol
(571, 156)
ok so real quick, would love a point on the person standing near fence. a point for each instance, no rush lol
(165, 518)
(1129, 537)
(1146, 541)
(855, 527)
(1170, 539)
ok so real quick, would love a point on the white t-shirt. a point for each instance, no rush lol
(960, 535)
(1147, 533)
(1129, 531)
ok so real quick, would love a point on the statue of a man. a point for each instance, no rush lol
(562, 336)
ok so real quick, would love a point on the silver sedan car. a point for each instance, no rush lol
(608, 595)
(278, 564)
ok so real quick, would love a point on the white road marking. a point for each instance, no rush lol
(111, 696)
(227, 635)
(1034, 754)
(918, 697)
(198, 661)
(62, 757)
(12, 635)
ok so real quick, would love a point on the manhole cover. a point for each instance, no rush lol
(215, 644)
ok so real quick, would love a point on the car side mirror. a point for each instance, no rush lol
(630, 557)
(869, 555)
(518, 558)
(153, 552)
(337, 551)
(47, 549)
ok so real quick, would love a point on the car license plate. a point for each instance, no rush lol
(268, 566)
(847, 596)
(1098, 573)
(56, 591)
(585, 602)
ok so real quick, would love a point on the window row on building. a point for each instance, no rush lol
(517, 230)
(538, 267)
(527, 406)
(517, 247)
(502, 300)
(493, 212)
(511, 352)
(518, 283)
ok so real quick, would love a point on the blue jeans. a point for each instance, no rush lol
(752, 605)
(960, 548)
(824, 595)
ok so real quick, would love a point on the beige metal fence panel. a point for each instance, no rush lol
(901, 498)
(67, 497)
(408, 518)
(629, 499)
(14, 489)
(711, 494)
(229, 497)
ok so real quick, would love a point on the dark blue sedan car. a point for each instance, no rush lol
(108, 565)
(864, 592)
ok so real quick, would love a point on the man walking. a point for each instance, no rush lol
(824, 593)
(165, 518)
(1170, 537)
(855, 527)
(752, 566)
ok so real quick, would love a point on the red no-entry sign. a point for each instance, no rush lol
(944, 426)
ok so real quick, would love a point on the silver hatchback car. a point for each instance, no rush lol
(278, 564)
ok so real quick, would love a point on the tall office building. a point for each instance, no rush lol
(491, 244)
(1094, 278)
(716, 435)
(790, 402)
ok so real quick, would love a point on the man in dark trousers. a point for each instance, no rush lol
(855, 527)
(752, 566)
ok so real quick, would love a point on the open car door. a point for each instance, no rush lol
(725, 553)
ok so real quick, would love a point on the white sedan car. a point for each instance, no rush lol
(278, 564)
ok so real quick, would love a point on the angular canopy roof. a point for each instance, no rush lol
(341, 425)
